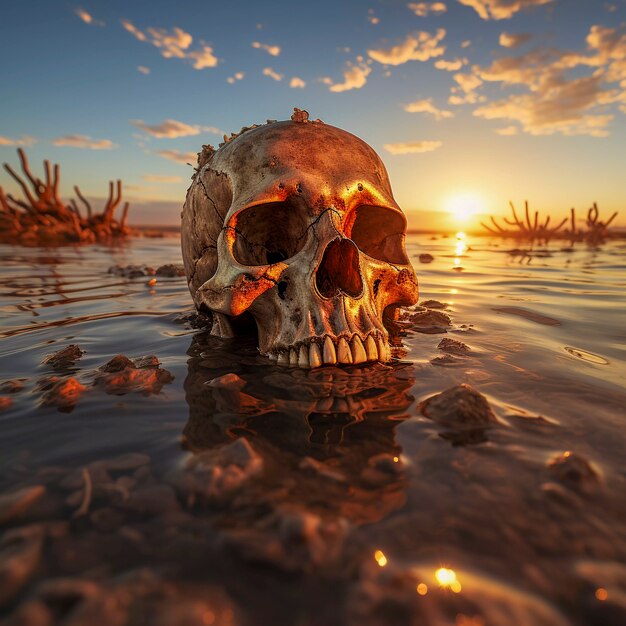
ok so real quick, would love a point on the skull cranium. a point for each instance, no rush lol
(294, 223)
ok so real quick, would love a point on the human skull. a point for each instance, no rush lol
(294, 223)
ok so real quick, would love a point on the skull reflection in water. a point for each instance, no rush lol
(294, 223)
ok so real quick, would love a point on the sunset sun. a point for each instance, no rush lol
(463, 206)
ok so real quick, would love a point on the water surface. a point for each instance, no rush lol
(245, 493)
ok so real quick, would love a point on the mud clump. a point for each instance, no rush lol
(61, 392)
(426, 258)
(574, 471)
(459, 408)
(131, 271)
(64, 358)
(434, 304)
(170, 270)
(121, 376)
(453, 346)
(426, 321)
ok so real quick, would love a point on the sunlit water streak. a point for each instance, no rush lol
(548, 345)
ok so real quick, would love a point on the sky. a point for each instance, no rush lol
(470, 103)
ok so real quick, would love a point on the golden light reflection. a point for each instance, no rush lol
(422, 589)
(380, 558)
(447, 579)
(601, 594)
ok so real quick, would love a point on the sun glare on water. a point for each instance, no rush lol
(463, 206)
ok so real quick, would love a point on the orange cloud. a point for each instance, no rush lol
(271, 50)
(297, 83)
(423, 9)
(87, 17)
(427, 106)
(83, 141)
(174, 44)
(501, 9)
(25, 140)
(419, 47)
(268, 71)
(450, 66)
(354, 77)
(510, 40)
(177, 156)
(412, 147)
(171, 129)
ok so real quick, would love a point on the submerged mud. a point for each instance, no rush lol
(205, 485)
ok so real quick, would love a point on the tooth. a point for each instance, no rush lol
(358, 351)
(303, 357)
(384, 353)
(283, 358)
(315, 356)
(330, 356)
(371, 348)
(293, 358)
(343, 351)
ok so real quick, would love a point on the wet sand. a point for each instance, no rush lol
(479, 479)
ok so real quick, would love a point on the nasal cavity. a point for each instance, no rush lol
(339, 270)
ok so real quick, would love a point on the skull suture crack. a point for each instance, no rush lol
(295, 224)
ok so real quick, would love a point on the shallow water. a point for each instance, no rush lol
(348, 499)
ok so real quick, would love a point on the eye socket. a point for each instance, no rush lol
(268, 233)
(379, 233)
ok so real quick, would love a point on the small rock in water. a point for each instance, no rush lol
(65, 357)
(131, 271)
(194, 319)
(448, 360)
(14, 385)
(453, 346)
(61, 392)
(170, 270)
(5, 403)
(121, 375)
(427, 320)
(426, 258)
(460, 407)
(574, 471)
(434, 304)
(13, 504)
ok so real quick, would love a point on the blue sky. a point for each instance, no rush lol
(482, 100)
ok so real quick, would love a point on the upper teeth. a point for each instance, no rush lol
(334, 350)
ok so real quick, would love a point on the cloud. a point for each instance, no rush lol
(297, 83)
(231, 80)
(423, 9)
(83, 141)
(142, 69)
(419, 47)
(450, 66)
(507, 131)
(372, 19)
(501, 9)
(466, 44)
(427, 106)
(25, 141)
(556, 102)
(354, 77)
(179, 157)
(510, 40)
(268, 71)
(175, 44)
(465, 92)
(87, 17)
(412, 147)
(171, 129)
(202, 58)
(271, 50)
(158, 178)
(564, 109)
